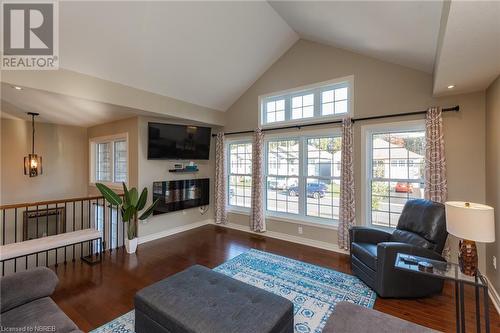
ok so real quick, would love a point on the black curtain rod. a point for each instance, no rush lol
(454, 109)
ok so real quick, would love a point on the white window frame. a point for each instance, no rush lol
(366, 161)
(301, 217)
(234, 208)
(92, 158)
(317, 89)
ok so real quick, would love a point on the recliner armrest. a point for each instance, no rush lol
(361, 234)
(23, 287)
(387, 252)
(394, 282)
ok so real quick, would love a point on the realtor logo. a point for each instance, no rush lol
(30, 35)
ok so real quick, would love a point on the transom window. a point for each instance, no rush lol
(395, 172)
(323, 100)
(109, 160)
(240, 174)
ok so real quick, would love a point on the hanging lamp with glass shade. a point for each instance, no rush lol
(33, 162)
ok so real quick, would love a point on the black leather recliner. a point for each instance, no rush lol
(421, 231)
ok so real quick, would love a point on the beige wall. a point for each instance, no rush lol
(64, 156)
(493, 175)
(157, 170)
(380, 88)
(128, 126)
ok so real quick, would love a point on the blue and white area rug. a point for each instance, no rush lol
(313, 290)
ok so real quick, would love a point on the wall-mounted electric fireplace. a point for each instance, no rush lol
(180, 194)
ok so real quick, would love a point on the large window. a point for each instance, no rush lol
(109, 159)
(302, 177)
(395, 171)
(323, 100)
(240, 174)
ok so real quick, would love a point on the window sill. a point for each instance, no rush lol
(113, 186)
(280, 218)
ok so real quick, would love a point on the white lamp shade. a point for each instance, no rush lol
(470, 221)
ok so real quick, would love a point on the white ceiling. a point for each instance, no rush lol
(206, 53)
(59, 109)
(209, 53)
(470, 50)
(401, 32)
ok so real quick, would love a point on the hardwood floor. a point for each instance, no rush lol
(94, 295)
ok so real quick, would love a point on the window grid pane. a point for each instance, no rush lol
(240, 174)
(103, 162)
(303, 106)
(120, 173)
(323, 177)
(282, 181)
(397, 174)
(275, 111)
(334, 101)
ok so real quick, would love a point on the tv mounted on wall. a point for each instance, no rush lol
(178, 142)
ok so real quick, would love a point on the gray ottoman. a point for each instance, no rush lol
(201, 300)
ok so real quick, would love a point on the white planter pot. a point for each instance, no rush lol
(131, 245)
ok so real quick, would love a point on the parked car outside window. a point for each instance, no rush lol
(314, 190)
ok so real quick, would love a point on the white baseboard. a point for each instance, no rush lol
(286, 237)
(495, 297)
(173, 231)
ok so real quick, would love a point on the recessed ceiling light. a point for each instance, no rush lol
(17, 87)
(451, 86)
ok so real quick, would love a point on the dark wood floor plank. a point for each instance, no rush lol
(95, 295)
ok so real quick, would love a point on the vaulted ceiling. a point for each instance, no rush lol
(209, 53)
(402, 32)
(205, 53)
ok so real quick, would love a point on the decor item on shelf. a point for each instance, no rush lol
(178, 166)
(191, 167)
(130, 206)
(183, 170)
(472, 223)
(33, 162)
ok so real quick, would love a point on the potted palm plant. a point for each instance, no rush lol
(130, 207)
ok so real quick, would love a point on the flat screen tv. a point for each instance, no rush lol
(178, 142)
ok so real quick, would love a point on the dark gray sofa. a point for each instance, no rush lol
(352, 318)
(25, 302)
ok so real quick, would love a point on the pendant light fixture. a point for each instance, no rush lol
(33, 162)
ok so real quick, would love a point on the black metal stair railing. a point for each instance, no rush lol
(35, 220)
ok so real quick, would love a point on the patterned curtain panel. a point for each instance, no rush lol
(347, 201)
(436, 186)
(220, 180)
(257, 220)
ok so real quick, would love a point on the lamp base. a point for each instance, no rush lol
(467, 257)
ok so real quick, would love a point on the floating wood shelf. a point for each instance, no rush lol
(184, 170)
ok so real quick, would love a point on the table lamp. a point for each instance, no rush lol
(472, 223)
